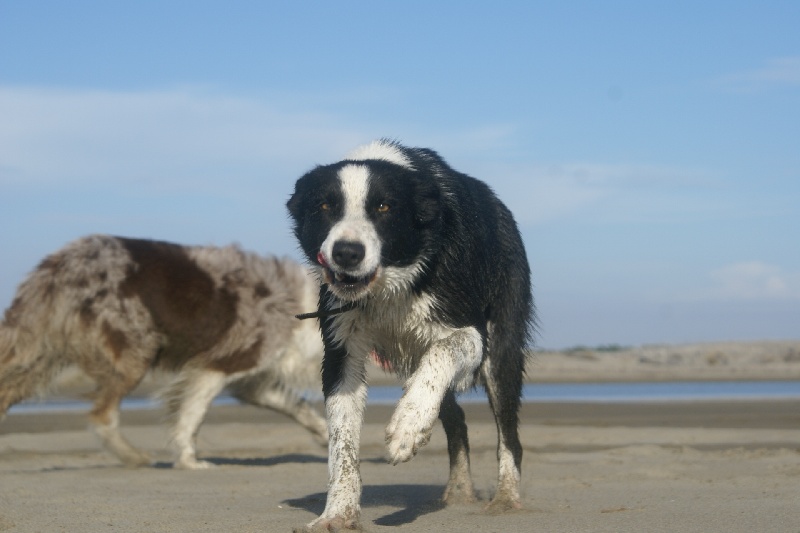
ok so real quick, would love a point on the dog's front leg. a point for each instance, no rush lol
(345, 397)
(449, 363)
(188, 400)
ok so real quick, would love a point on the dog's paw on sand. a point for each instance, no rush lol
(192, 464)
(459, 498)
(136, 459)
(333, 525)
(459, 492)
(502, 504)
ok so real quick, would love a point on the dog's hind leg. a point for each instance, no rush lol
(188, 400)
(104, 421)
(459, 486)
(263, 391)
(503, 388)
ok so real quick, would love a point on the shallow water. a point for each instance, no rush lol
(676, 391)
(649, 391)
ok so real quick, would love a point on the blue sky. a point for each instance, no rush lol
(650, 151)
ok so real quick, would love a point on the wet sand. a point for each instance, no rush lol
(672, 467)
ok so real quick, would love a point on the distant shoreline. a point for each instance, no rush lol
(539, 392)
(719, 361)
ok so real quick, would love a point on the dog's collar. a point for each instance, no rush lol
(324, 313)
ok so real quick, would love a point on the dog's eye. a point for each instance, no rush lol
(383, 207)
(325, 206)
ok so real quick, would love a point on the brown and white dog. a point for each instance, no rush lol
(118, 307)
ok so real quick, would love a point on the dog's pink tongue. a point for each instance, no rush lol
(321, 259)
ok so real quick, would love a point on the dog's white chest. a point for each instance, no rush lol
(398, 331)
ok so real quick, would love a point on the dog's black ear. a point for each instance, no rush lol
(428, 202)
(296, 201)
(293, 205)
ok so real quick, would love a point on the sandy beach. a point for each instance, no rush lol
(728, 466)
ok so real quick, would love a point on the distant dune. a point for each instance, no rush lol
(765, 360)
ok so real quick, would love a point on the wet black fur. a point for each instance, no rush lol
(475, 264)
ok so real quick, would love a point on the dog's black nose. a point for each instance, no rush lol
(348, 254)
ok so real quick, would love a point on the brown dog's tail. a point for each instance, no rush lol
(24, 367)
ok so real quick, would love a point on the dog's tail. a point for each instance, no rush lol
(24, 366)
(27, 362)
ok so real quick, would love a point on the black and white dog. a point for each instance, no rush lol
(424, 269)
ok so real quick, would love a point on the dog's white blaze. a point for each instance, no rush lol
(354, 225)
(380, 150)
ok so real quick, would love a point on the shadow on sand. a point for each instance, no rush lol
(289, 458)
(413, 501)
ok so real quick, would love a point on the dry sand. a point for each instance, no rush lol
(651, 467)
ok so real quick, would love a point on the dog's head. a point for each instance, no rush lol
(368, 221)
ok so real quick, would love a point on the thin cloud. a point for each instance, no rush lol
(88, 136)
(777, 72)
(188, 136)
(191, 138)
(541, 193)
(754, 280)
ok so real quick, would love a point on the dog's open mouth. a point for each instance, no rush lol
(346, 285)
(345, 282)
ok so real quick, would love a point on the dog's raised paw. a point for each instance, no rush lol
(409, 429)
(403, 441)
